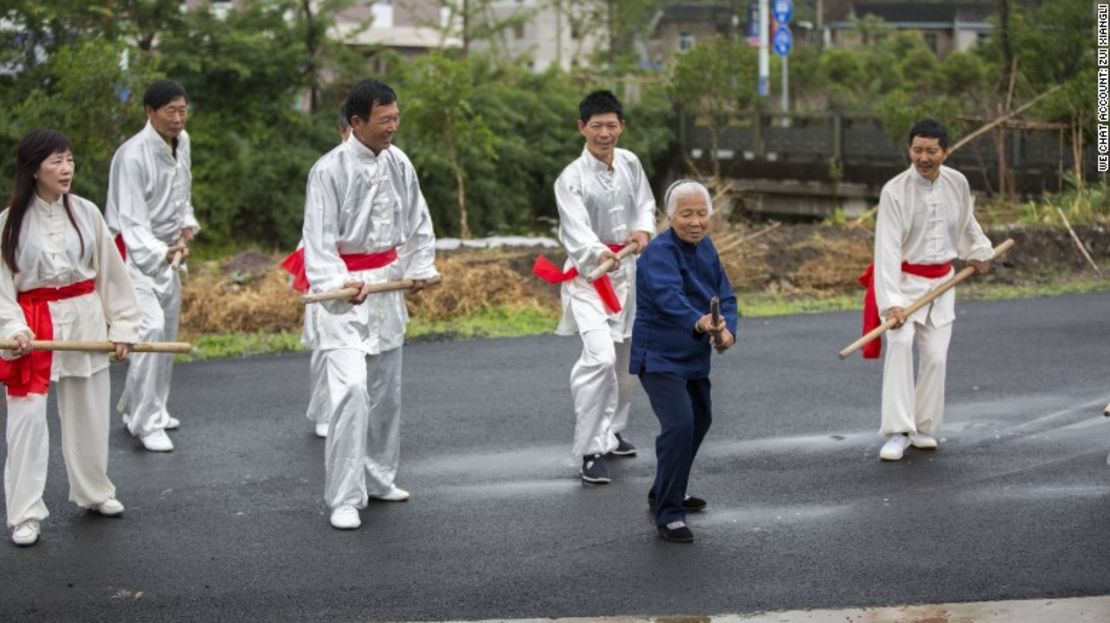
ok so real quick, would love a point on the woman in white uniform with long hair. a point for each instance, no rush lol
(61, 278)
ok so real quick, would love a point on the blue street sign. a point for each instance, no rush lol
(782, 10)
(783, 40)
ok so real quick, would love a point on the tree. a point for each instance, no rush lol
(1054, 45)
(713, 80)
(442, 112)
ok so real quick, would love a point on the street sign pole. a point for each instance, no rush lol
(785, 84)
(784, 41)
(764, 47)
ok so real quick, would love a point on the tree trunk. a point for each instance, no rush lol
(460, 187)
(1005, 188)
(1004, 40)
(466, 27)
(312, 46)
(612, 35)
(1077, 150)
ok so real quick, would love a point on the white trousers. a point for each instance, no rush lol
(362, 451)
(84, 414)
(319, 410)
(909, 406)
(602, 390)
(147, 389)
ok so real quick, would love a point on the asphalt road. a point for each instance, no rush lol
(231, 525)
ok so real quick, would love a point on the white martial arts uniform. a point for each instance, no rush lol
(599, 206)
(921, 222)
(149, 204)
(318, 411)
(358, 203)
(49, 256)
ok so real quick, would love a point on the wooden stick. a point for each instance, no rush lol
(970, 137)
(178, 257)
(1078, 242)
(345, 294)
(100, 347)
(608, 264)
(923, 301)
(735, 243)
(715, 317)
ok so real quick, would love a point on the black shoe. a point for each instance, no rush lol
(595, 469)
(624, 447)
(690, 504)
(678, 534)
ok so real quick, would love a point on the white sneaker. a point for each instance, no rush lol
(395, 494)
(894, 447)
(921, 441)
(109, 508)
(26, 533)
(158, 441)
(322, 430)
(171, 424)
(345, 518)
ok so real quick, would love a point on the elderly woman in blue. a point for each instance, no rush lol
(672, 340)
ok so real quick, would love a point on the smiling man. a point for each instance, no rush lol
(150, 212)
(605, 202)
(925, 221)
(365, 222)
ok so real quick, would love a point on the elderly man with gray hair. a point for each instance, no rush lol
(678, 276)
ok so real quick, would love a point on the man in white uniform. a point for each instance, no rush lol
(605, 202)
(365, 222)
(150, 212)
(925, 221)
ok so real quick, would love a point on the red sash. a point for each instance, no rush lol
(544, 269)
(874, 348)
(31, 374)
(294, 264)
(122, 247)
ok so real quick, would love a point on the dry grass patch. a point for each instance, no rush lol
(250, 293)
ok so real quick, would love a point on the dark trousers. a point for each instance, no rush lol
(684, 410)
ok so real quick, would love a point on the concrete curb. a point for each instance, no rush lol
(1071, 610)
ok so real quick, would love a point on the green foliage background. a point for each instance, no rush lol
(265, 85)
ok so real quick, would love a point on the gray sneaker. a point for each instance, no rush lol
(595, 469)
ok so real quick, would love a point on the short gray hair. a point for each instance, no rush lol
(685, 188)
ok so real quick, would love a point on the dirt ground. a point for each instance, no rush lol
(250, 293)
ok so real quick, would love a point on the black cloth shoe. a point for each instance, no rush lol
(690, 504)
(595, 469)
(680, 533)
(624, 447)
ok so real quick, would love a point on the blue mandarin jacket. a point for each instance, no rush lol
(674, 282)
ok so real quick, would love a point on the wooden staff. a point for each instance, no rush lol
(715, 318)
(345, 294)
(100, 347)
(923, 301)
(608, 264)
(175, 262)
